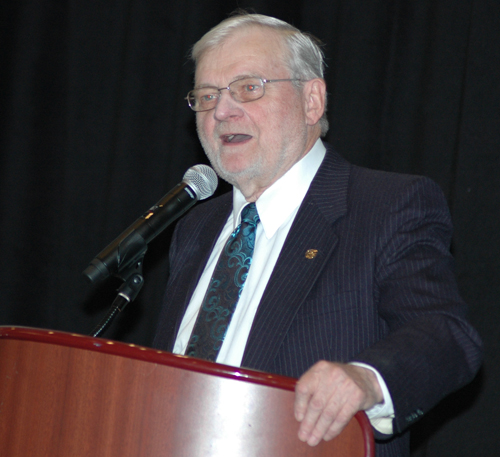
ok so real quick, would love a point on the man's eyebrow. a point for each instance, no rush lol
(236, 78)
(205, 86)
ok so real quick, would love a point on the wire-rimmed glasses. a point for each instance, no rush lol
(243, 90)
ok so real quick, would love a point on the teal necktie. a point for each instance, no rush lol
(225, 289)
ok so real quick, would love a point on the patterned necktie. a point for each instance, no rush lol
(225, 289)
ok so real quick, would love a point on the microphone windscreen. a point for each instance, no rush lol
(202, 180)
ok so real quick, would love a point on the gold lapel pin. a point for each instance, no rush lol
(311, 253)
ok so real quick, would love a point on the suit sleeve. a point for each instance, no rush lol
(430, 349)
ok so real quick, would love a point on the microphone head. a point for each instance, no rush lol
(202, 180)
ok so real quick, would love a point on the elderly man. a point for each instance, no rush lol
(347, 279)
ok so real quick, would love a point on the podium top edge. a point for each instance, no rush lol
(133, 351)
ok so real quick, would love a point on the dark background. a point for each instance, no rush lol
(94, 129)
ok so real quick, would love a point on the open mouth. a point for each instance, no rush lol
(235, 138)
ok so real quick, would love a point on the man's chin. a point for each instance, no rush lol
(231, 176)
(236, 169)
(234, 175)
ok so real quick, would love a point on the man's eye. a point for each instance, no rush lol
(251, 87)
(207, 98)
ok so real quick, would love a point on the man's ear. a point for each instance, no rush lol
(314, 93)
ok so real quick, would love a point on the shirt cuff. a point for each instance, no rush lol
(382, 414)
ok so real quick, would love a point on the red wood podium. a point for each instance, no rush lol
(68, 395)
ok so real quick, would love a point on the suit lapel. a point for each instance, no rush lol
(313, 228)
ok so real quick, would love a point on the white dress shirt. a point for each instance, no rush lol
(277, 208)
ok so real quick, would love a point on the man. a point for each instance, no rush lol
(351, 285)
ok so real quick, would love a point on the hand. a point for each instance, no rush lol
(328, 395)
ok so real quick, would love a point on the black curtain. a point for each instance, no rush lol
(94, 129)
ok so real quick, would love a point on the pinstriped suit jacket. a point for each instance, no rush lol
(381, 289)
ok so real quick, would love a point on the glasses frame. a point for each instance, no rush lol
(228, 88)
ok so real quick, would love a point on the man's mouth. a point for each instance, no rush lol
(235, 138)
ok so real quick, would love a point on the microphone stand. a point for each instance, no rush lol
(127, 292)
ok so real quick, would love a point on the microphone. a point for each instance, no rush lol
(198, 183)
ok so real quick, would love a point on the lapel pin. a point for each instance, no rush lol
(311, 253)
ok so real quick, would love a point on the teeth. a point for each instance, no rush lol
(235, 137)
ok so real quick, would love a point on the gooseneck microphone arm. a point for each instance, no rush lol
(127, 293)
(124, 256)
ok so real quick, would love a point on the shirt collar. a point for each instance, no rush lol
(278, 202)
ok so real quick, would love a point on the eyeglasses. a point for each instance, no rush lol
(242, 90)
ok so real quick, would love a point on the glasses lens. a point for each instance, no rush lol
(242, 90)
(203, 99)
(247, 89)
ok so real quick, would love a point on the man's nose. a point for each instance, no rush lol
(227, 106)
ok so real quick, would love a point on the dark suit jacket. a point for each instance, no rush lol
(381, 289)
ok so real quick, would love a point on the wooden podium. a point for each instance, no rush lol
(68, 395)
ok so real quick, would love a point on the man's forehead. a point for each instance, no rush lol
(245, 47)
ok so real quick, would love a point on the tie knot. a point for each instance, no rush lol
(249, 214)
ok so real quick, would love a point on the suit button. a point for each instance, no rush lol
(414, 415)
